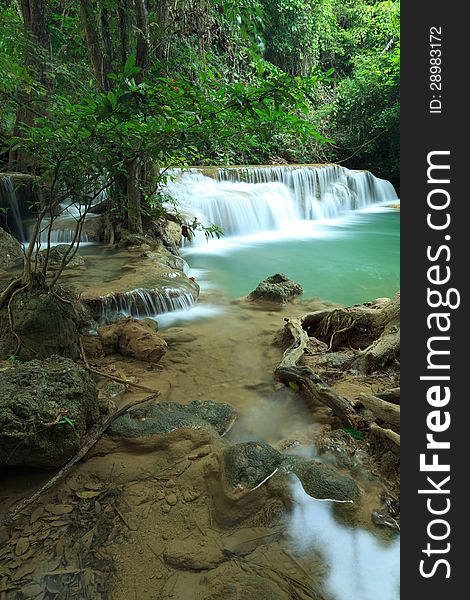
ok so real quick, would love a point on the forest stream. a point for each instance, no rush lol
(150, 520)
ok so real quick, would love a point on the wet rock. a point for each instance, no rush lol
(194, 553)
(165, 417)
(178, 336)
(247, 465)
(133, 239)
(45, 325)
(135, 338)
(277, 289)
(56, 256)
(35, 397)
(321, 481)
(382, 519)
(10, 250)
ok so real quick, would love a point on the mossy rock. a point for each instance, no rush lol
(322, 481)
(46, 407)
(247, 465)
(165, 417)
(45, 326)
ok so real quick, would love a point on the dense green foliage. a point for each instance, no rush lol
(118, 91)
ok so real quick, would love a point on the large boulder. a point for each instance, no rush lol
(276, 289)
(10, 250)
(46, 408)
(44, 324)
(135, 338)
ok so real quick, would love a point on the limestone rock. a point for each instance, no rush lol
(277, 289)
(135, 338)
(195, 553)
(45, 326)
(34, 399)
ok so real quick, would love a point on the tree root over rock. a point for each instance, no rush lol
(311, 384)
(372, 332)
(372, 329)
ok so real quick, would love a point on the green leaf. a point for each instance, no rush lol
(354, 433)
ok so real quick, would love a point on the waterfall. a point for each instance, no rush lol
(9, 202)
(247, 200)
(142, 303)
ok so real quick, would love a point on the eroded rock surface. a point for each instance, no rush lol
(135, 338)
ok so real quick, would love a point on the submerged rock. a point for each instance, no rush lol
(45, 409)
(278, 289)
(165, 417)
(135, 338)
(10, 250)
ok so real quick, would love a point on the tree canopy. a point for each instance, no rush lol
(111, 94)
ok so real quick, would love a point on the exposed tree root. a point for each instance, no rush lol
(385, 411)
(313, 387)
(372, 329)
(387, 434)
(90, 440)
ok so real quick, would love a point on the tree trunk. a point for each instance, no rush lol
(124, 28)
(142, 44)
(134, 215)
(163, 18)
(95, 51)
(36, 59)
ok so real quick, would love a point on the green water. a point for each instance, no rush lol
(354, 261)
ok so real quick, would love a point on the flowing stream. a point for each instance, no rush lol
(333, 231)
(330, 229)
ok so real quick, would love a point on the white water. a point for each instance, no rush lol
(248, 201)
(9, 201)
(146, 303)
(360, 566)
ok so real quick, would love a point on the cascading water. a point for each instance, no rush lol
(9, 202)
(143, 303)
(247, 200)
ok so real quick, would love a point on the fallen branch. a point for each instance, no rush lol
(313, 387)
(385, 411)
(120, 380)
(90, 440)
(385, 433)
